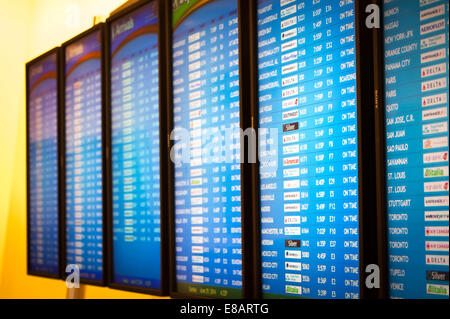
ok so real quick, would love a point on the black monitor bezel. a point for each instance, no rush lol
(101, 28)
(246, 173)
(163, 150)
(28, 65)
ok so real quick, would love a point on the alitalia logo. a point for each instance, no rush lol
(436, 172)
(293, 290)
(437, 290)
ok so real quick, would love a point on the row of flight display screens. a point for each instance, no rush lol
(309, 180)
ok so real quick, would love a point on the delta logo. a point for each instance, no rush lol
(433, 100)
(434, 85)
(437, 260)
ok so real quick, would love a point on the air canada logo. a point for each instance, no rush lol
(291, 243)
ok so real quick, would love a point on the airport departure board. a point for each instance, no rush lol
(207, 148)
(43, 202)
(84, 155)
(135, 145)
(308, 149)
(416, 52)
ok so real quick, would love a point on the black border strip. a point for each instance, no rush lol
(163, 149)
(99, 27)
(246, 174)
(27, 109)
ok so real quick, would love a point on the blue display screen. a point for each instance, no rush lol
(84, 173)
(308, 149)
(416, 51)
(43, 166)
(207, 148)
(135, 149)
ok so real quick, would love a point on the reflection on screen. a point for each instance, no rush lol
(43, 166)
(207, 169)
(308, 149)
(416, 83)
(135, 149)
(84, 184)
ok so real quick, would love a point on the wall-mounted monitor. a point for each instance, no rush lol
(416, 52)
(207, 230)
(138, 150)
(311, 129)
(84, 155)
(43, 199)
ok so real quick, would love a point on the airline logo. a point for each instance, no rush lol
(436, 187)
(197, 279)
(434, 70)
(437, 216)
(197, 230)
(436, 201)
(291, 138)
(436, 231)
(432, 27)
(288, 34)
(290, 127)
(436, 246)
(198, 269)
(435, 142)
(432, 41)
(196, 210)
(434, 85)
(289, 68)
(285, 2)
(290, 115)
(433, 100)
(441, 290)
(294, 290)
(289, 57)
(435, 128)
(288, 11)
(293, 254)
(291, 196)
(291, 172)
(437, 260)
(291, 149)
(424, 3)
(197, 249)
(288, 93)
(292, 266)
(289, 80)
(432, 12)
(290, 161)
(432, 56)
(197, 240)
(293, 277)
(435, 172)
(292, 208)
(292, 220)
(292, 243)
(437, 275)
(197, 259)
(438, 157)
(293, 184)
(292, 231)
(289, 45)
(434, 114)
(288, 22)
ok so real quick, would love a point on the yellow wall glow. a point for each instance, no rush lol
(29, 28)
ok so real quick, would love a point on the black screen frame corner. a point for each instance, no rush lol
(371, 207)
(164, 258)
(28, 65)
(102, 28)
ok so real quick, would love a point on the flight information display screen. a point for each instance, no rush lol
(43, 166)
(416, 51)
(308, 149)
(207, 148)
(84, 161)
(135, 148)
